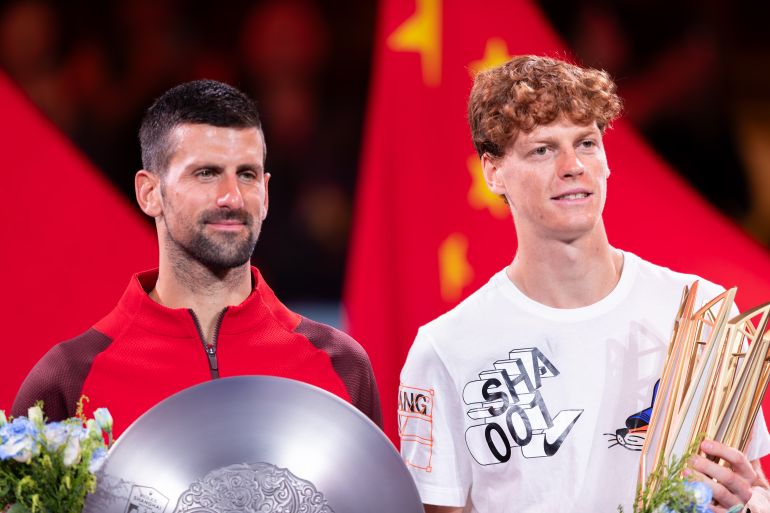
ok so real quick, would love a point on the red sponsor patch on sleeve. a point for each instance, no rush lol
(415, 425)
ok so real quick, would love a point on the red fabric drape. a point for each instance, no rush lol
(70, 241)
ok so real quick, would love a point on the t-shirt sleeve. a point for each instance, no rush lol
(430, 425)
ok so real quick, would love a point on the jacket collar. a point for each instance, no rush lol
(260, 306)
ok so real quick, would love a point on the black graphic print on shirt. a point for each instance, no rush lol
(512, 411)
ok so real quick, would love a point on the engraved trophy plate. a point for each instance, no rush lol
(253, 444)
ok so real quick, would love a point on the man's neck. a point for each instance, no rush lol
(566, 274)
(194, 286)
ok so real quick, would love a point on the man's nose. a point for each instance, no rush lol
(229, 193)
(570, 164)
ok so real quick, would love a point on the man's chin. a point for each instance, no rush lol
(222, 257)
(571, 232)
(221, 264)
(217, 252)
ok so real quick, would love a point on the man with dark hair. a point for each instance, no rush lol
(203, 102)
(536, 389)
(205, 312)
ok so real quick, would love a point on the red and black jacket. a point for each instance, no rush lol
(143, 352)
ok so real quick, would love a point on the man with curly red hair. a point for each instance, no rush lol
(534, 393)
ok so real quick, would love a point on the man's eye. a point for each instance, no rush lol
(205, 173)
(587, 144)
(542, 150)
(249, 176)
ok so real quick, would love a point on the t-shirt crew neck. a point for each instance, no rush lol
(601, 307)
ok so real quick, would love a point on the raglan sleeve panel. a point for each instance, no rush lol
(351, 364)
(57, 379)
(431, 427)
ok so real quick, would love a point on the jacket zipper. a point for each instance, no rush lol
(210, 349)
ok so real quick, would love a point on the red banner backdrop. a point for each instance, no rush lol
(70, 240)
(427, 231)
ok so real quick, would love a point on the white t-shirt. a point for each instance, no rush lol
(509, 405)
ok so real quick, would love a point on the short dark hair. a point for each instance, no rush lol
(205, 102)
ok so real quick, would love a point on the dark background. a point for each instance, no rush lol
(695, 77)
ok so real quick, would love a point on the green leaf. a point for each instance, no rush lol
(665, 485)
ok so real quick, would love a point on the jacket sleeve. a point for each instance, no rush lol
(57, 379)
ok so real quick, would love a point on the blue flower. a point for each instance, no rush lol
(78, 431)
(19, 440)
(97, 459)
(701, 495)
(701, 498)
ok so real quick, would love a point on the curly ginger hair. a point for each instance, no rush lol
(529, 91)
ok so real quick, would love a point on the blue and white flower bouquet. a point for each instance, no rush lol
(673, 493)
(50, 467)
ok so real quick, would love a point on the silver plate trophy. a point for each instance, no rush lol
(253, 444)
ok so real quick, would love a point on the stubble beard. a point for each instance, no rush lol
(219, 252)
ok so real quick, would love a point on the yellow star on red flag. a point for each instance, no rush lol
(455, 273)
(495, 54)
(421, 33)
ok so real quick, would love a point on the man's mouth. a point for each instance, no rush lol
(572, 196)
(229, 220)
(226, 222)
(224, 227)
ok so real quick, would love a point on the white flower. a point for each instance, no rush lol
(71, 451)
(104, 419)
(35, 415)
(3, 418)
(55, 435)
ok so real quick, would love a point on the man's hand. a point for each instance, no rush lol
(732, 484)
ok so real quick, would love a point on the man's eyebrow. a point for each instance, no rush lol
(251, 167)
(546, 139)
(218, 167)
(551, 139)
(204, 165)
(588, 132)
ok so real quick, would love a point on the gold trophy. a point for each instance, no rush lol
(713, 381)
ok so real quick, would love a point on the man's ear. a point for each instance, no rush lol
(492, 174)
(266, 179)
(147, 188)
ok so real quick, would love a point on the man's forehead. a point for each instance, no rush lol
(561, 124)
(183, 130)
(200, 136)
